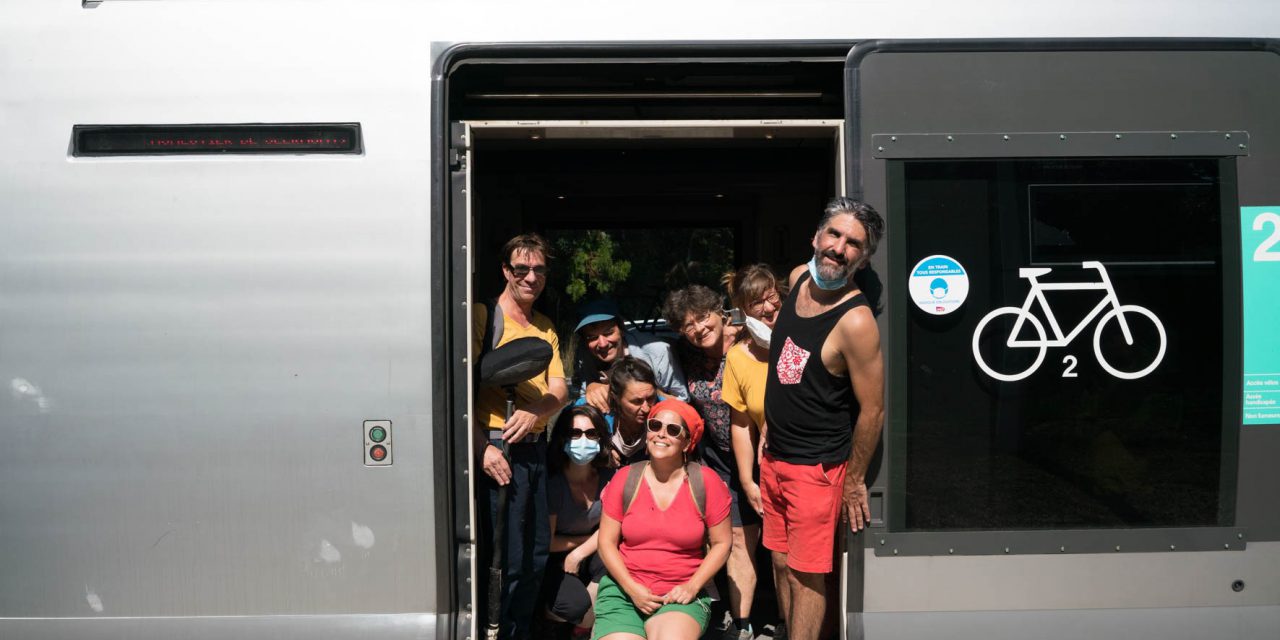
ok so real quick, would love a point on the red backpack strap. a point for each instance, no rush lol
(635, 473)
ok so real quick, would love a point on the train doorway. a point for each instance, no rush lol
(679, 202)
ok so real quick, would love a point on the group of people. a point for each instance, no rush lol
(669, 462)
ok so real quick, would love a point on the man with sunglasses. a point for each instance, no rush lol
(527, 532)
(824, 408)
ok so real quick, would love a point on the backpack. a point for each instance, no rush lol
(692, 471)
(493, 329)
(492, 335)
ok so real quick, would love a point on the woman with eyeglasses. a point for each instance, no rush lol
(579, 459)
(698, 313)
(758, 292)
(653, 533)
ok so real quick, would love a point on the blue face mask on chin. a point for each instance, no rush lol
(824, 284)
(582, 450)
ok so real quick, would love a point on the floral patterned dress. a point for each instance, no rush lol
(705, 377)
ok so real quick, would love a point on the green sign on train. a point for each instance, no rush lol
(1260, 233)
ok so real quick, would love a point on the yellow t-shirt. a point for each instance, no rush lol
(491, 402)
(744, 380)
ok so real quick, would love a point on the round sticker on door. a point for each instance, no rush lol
(938, 285)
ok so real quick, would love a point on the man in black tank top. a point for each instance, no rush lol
(824, 407)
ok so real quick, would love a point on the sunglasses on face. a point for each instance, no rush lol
(673, 430)
(522, 270)
(590, 434)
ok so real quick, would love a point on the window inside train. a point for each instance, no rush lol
(1081, 383)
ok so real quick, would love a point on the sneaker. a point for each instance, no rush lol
(780, 631)
(744, 634)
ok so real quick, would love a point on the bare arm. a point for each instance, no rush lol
(860, 347)
(745, 438)
(523, 419)
(574, 559)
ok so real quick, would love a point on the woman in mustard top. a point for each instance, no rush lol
(757, 291)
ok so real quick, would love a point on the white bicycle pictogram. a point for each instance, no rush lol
(1122, 313)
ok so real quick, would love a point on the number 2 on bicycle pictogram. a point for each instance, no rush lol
(1123, 314)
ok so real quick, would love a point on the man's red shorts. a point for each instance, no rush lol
(801, 511)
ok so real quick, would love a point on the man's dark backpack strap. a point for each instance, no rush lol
(692, 471)
(492, 328)
(492, 334)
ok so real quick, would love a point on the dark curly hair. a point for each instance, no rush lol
(695, 299)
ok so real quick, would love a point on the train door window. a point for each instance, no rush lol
(1081, 383)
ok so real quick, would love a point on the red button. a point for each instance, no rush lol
(378, 453)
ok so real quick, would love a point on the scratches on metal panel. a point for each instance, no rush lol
(162, 537)
(361, 535)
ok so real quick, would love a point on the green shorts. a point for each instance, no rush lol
(615, 613)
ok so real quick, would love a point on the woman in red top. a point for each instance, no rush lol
(653, 548)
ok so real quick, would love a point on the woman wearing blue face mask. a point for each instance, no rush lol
(579, 457)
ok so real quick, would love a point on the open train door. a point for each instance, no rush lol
(1081, 275)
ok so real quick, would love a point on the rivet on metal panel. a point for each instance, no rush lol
(1240, 145)
(1228, 136)
(882, 542)
(464, 359)
(1117, 547)
(1006, 549)
(893, 138)
(1173, 547)
(1226, 546)
(1173, 136)
(1062, 549)
(464, 303)
(468, 579)
(1237, 586)
(895, 552)
(1118, 136)
(1062, 136)
(466, 472)
(951, 550)
(464, 247)
(464, 417)
(1005, 138)
(879, 148)
(464, 190)
(950, 139)
(1240, 536)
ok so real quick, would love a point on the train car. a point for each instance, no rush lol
(240, 241)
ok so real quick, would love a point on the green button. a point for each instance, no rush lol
(377, 434)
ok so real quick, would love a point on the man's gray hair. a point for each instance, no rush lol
(862, 212)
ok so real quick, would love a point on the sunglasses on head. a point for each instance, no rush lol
(673, 430)
(522, 270)
(575, 433)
